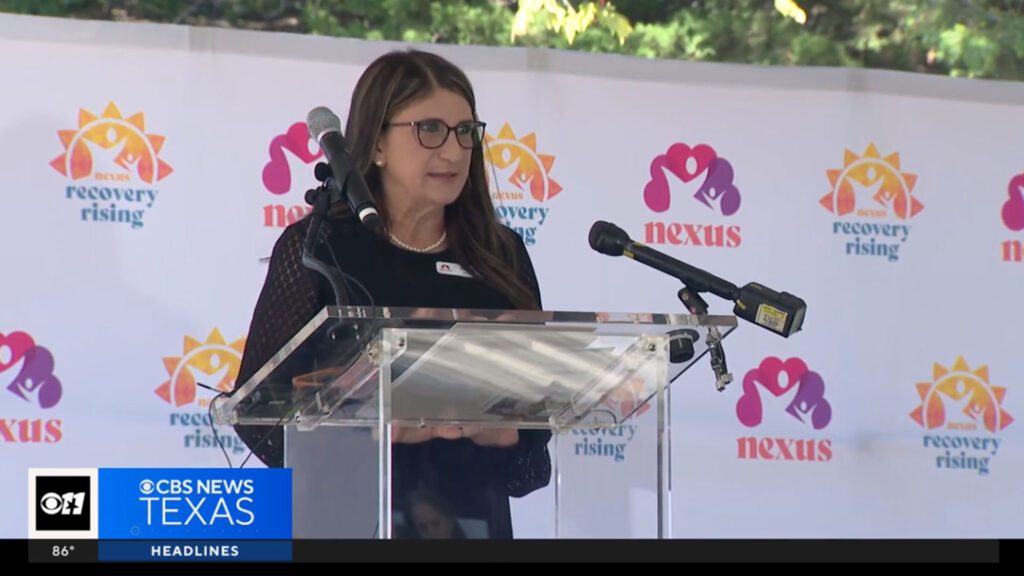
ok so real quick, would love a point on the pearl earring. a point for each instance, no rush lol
(379, 163)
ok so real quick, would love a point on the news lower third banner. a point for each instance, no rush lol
(164, 514)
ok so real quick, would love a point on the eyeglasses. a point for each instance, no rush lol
(434, 133)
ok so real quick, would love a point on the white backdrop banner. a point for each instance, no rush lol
(149, 169)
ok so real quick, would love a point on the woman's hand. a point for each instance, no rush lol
(494, 437)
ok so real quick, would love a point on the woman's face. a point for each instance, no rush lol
(415, 175)
(430, 523)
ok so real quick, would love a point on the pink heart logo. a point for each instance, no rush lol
(277, 176)
(677, 161)
(13, 348)
(35, 381)
(772, 368)
(1013, 209)
(748, 408)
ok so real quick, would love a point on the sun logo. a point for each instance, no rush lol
(520, 169)
(110, 147)
(628, 398)
(872, 185)
(960, 398)
(214, 363)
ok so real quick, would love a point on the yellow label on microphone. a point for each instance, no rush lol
(771, 318)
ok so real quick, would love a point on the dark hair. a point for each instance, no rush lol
(476, 237)
(439, 504)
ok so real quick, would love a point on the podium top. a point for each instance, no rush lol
(357, 366)
(390, 316)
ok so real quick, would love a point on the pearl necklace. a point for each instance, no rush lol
(433, 246)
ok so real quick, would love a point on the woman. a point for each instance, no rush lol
(414, 133)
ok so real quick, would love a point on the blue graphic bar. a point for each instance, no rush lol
(195, 551)
(195, 504)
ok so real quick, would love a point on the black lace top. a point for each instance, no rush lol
(456, 477)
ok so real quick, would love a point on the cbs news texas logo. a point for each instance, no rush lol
(202, 503)
(160, 503)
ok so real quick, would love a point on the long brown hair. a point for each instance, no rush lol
(476, 237)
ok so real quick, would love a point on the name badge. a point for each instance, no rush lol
(452, 269)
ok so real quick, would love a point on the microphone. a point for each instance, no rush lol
(609, 239)
(781, 313)
(325, 129)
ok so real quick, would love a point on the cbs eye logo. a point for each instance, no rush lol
(63, 503)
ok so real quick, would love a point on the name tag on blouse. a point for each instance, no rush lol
(452, 269)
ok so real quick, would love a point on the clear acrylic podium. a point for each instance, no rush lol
(353, 374)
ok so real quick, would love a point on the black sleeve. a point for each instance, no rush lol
(528, 462)
(292, 294)
(524, 268)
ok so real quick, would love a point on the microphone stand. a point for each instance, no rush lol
(699, 307)
(321, 198)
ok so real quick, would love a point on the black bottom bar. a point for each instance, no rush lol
(605, 551)
(633, 551)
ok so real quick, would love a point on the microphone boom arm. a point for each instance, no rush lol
(697, 306)
(781, 313)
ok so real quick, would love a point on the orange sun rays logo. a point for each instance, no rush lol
(213, 362)
(519, 167)
(961, 398)
(111, 147)
(872, 185)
